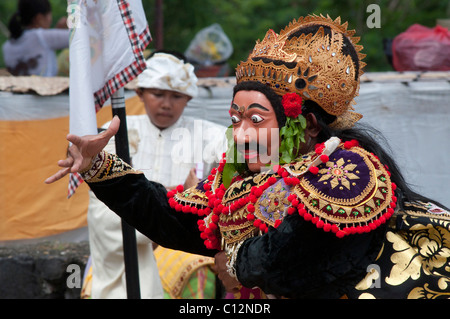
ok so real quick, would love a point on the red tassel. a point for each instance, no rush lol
(319, 148)
(314, 170)
(180, 188)
(350, 144)
(324, 158)
(208, 244)
(340, 234)
(170, 194)
(334, 228)
(291, 210)
(252, 198)
(263, 227)
(302, 212)
(186, 209)
(215, 218)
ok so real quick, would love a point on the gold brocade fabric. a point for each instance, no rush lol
(414, 262)
(177, 267)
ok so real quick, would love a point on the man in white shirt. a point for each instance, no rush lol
(168, 147)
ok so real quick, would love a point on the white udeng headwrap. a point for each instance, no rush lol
(166, 72)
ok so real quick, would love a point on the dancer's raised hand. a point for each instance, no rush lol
(83, 150)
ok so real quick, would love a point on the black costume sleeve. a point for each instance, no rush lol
(144, 205)
(297, 260)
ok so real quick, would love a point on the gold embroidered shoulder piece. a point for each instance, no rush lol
(192, 198)
(345, 190)
(351, 193)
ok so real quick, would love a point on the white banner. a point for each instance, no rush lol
(106, 51)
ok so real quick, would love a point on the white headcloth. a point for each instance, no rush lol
(166, 72)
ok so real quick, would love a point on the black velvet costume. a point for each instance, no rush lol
(295, 255)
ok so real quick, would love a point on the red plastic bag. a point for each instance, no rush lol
(422, 49)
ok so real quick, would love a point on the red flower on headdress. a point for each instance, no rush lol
(292, 103)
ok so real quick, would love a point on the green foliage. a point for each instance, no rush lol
(234, 161)
(291, 135)
(245, 21)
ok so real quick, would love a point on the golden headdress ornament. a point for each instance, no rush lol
(316, 65)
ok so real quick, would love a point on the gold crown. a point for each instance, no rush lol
(315, 66)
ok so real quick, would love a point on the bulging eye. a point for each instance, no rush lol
(256, 118)
(235, 119)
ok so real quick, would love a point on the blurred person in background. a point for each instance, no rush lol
(31, 48)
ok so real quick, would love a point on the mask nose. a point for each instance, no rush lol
(245, 135)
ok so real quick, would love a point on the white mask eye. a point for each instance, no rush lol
(235, 119)
(256, 118)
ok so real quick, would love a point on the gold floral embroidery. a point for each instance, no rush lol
(106, 166)
(421, 248)
(241, 188)
(367, 282)
(426, 293)
(339, 173)
(366, 295)
(273, 200)
(368, 199)
(192, 196)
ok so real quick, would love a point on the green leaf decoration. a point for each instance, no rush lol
(292, 134)
(235, 163)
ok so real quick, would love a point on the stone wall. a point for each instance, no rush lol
(49, 270)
